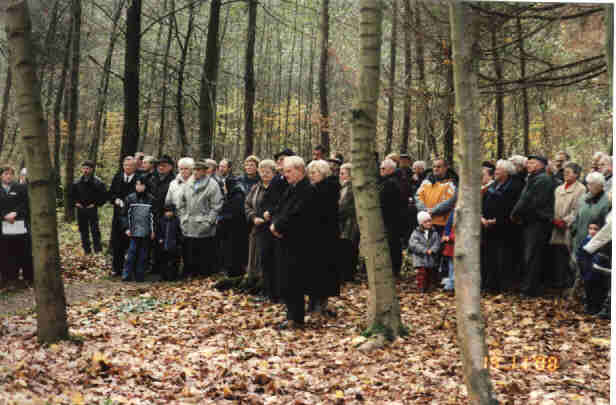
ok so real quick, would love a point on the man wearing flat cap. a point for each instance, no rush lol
(535, 211)
(87, 194)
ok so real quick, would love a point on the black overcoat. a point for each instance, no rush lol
(325, 276)
(233, 230)
(295, 220)
(119, 189)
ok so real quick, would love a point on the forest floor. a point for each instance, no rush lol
(185, 342)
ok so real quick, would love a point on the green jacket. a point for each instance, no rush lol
(589, 208)
(536, 202)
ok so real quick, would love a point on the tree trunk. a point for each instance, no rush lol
(525, 110)
(609, 52)
(500, 107)
(130, 131)
(180, 93)
(209, 78)
(383, 305)
(310, 92)
(51, 317)
(408, 67)
(104, 87)
(323, 74)
(57, 110)
(163, 100)
(392, 77)
(69, 164)
(249, 102)
(421, 123)
(450, 101)
(470, 324)
(6, 97)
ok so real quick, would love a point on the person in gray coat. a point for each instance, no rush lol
(199, 204)
(424, 245)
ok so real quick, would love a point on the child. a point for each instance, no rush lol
(594, 282)
(449, 238)
(424, 245)
(169, 241)
(138, 224)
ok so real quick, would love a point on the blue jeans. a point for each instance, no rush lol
(449, 285)
(136, 259)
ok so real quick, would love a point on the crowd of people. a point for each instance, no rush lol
(289, 229)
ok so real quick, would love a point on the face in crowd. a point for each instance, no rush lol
(250, 167)
(439, 168)
(130, 166)
(293, 174)
(164, 168)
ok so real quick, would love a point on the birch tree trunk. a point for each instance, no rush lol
(383, 305)
(48, 288)
(470, 323)
(69, 163)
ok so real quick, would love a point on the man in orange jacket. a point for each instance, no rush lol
(437, 194)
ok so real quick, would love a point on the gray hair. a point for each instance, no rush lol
(599, 155)
(506, 165)
(389, 164)
(347, 166)
(606, 159)
(295, 162)
(211, 163)
(187, 162)
(419, 163)
(149, 159)
(320, 166)
(267, 164)
(518, 160)
(595, 178)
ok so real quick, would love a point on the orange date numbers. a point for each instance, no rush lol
(540, 363)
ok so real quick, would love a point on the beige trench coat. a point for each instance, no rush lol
(565, 208)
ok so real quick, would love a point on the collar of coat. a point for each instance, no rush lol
(594, 199)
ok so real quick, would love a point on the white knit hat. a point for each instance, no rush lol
(423, 216)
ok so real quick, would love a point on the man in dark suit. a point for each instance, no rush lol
(122, 185)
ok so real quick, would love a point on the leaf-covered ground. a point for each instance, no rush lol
(185, 342)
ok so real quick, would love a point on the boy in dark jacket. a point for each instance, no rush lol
(138, 224)
(169, 241)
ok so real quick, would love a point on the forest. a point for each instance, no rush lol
(99, 80)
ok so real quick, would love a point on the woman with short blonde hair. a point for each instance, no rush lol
(250, 176)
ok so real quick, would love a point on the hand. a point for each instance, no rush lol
(10, 217)
(128, 233)
(275, 232)
(445, 239)
(160, 241)
(152, 236)
(484, 222)
(119, 203)
(267, 216)
(78, 205)
(429, 252)
(259, 221)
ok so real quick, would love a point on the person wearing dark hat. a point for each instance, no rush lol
(158, 184)
(87, 194)
(535, 211)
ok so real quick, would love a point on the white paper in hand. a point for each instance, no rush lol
(16, 228)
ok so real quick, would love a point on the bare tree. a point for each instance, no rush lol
(249, 89)
(132, 57)
(383, 306)
(471, 327)
(392, 78)
(49, 291)
(323, 70)
(6, 98)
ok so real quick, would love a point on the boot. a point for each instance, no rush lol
(605, 308)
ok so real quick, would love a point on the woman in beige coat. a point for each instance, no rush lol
(567, 196)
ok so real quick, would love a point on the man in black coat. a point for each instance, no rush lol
(293, 226)
(535, 211)
(122, 185)
(87, 194)
(159, 186)
(15, 248)
(392, 207)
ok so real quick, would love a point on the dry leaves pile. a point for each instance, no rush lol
(184, 343)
